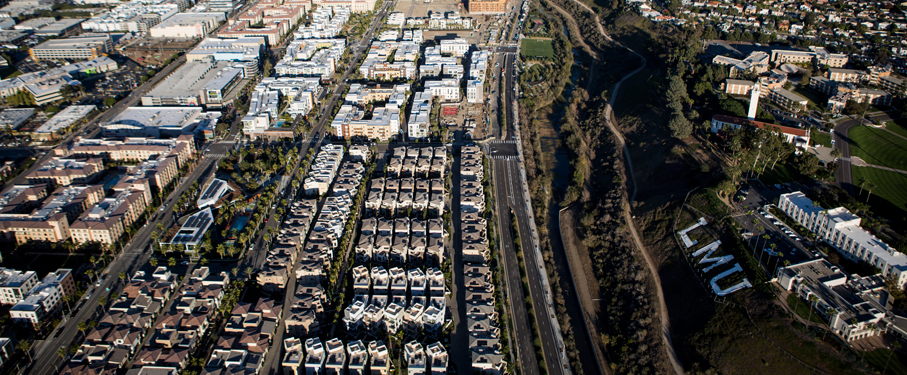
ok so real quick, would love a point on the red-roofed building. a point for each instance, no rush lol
(799, 137)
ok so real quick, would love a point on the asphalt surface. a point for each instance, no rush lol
(92, 128)
(511, 198)
(759, 196)
(136, 253)
(273, 360)
(841, 140)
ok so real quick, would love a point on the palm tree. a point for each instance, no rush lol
(122, 276)
(813, 299)
(249, 272)
(171, 261)
(153, 262)
(83, 326)
(90, 273)
(62, 352)
(775, 267)
(870, 186)
(24, 346)
(235, 271)
(894, 346)
(862, 182)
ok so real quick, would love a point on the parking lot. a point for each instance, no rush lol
(114, 84)
(793, 247)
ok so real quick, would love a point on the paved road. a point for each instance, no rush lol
(510, 197)
(272, 362)
(135, 255)
(91, 129)
(841, 139)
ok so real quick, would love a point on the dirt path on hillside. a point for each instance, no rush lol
(611, 120)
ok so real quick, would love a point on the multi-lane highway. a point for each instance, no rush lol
(511, 197)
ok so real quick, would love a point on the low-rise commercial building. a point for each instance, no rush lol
(82, 47)
(196, 83)
(62, 122)
(158, 122)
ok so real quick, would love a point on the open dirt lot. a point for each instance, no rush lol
(421, 8)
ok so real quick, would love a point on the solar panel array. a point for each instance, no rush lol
(213, 189)
(195, 227)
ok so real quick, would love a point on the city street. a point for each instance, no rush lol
(136, 253)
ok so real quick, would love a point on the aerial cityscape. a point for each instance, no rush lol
(288, 187)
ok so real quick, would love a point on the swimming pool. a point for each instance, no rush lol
(239, 222)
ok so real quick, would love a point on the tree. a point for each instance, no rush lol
(102, 300)
(680, 126)
(90, 273)
(109, 102)
(812, 299)
(804, 81)
(249, 272)
(62, 352)
(235, 271)
(122, 276)
(83, 326)
(171, 261)
(25, 347)
(894, 347)
(869, 185)
(153, 262)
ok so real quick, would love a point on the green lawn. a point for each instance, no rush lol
(889, 197)
(783, 173)
(819, 138)
(537, 48)
(802, 309)
(879, 357)
(897, 126)
(877, 146)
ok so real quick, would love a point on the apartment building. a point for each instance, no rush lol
(486, 6)
(66, 171)
(48, 222)
(757, 62)
(738, 87)
(132, 149)
(787, 99)
(841, 229)
(187, 25)
(15, 285)
(323, 170)
(44, 298)
(816, 55)
(311, 58)
(108, 220)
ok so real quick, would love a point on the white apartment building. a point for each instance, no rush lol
(457, 47)
(447, 89)
(311, 57)
(418, 122)
(14, 285)
(841, 229)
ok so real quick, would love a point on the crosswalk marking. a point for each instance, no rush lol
(500, 141)
(504, 157)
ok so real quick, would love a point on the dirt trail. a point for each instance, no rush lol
(628, 216)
